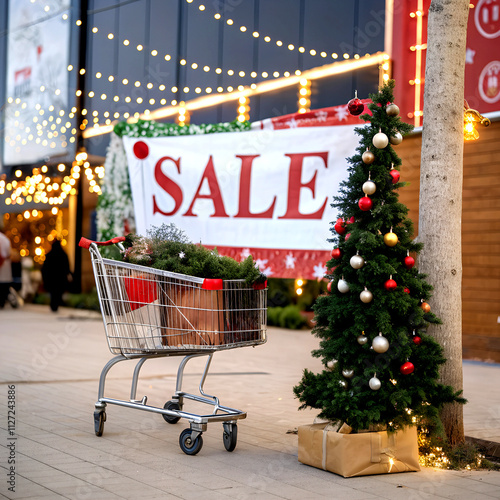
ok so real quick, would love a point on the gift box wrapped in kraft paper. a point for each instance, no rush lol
(191, 316)
(362, 454)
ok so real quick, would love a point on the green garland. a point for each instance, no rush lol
(143, 128)
(115, 205)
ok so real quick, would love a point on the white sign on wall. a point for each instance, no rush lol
(37, 81)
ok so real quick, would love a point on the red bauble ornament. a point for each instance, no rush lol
(417, 340)
(340, 226)
(329, 286)
(406, 289)
(336, 253)
(141, 150)
(355, 106)
(390, 284)
(347, 236)
(407, 368)
(365, 203)
(395, 175)
(409, 262)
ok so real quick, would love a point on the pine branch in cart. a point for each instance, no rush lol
(168, 248)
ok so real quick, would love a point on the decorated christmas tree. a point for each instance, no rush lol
(381, 366)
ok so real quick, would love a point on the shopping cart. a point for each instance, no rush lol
(150, 313)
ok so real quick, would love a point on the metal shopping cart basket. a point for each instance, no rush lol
(149, 313)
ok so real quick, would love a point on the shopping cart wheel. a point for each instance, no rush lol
(99, 419)
(171, 405)
(230, 436)
(190, 446)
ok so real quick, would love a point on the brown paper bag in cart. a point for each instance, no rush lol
(190, 316)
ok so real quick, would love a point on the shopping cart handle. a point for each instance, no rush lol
(85, 243)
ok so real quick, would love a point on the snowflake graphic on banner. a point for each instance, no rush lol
(261, 264)
(245, 253)
(319, 271)
(292, 123)
(342, 113)
(321, 116)
(290, 261)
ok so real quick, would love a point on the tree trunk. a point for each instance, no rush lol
(441, 173)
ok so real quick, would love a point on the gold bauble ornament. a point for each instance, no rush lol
(396, 139)
(426, 307)
(368, 157)
(392, 110)
(331, 364)
(391, 239)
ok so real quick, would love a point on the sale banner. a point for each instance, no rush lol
(266, 192)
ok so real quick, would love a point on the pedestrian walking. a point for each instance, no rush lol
(56, 274)
(5, 266)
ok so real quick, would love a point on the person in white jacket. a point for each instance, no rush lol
(5, 265)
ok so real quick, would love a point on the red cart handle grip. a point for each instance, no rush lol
(85, 243)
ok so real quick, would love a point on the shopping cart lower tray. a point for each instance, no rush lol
(150, 313)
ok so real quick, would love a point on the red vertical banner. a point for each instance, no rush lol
(409, 50)
(482, 60)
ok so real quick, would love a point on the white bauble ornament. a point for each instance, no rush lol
(343, 286)
(362, 340)
(396, 139)
(374, 383)
(331, 364)
(366, 296)
(347, 373)
(380, 140)
(369, 187)
(380, 344)
(392, 110)
(343, 384)
(357, 262)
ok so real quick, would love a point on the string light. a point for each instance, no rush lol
(417, 81)
(242, 29)
(39, 188)
(385, 70)
(183, 115)
(243, 109)
(221, 97)
(304, 95)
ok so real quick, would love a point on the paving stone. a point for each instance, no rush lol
(55, 362)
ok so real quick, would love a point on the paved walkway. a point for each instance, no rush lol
(54, 361)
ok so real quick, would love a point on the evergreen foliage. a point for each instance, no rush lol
(168, 248)
(342, 317)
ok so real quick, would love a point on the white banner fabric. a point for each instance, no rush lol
(242, 192)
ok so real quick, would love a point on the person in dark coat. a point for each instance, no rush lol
(56, 274)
